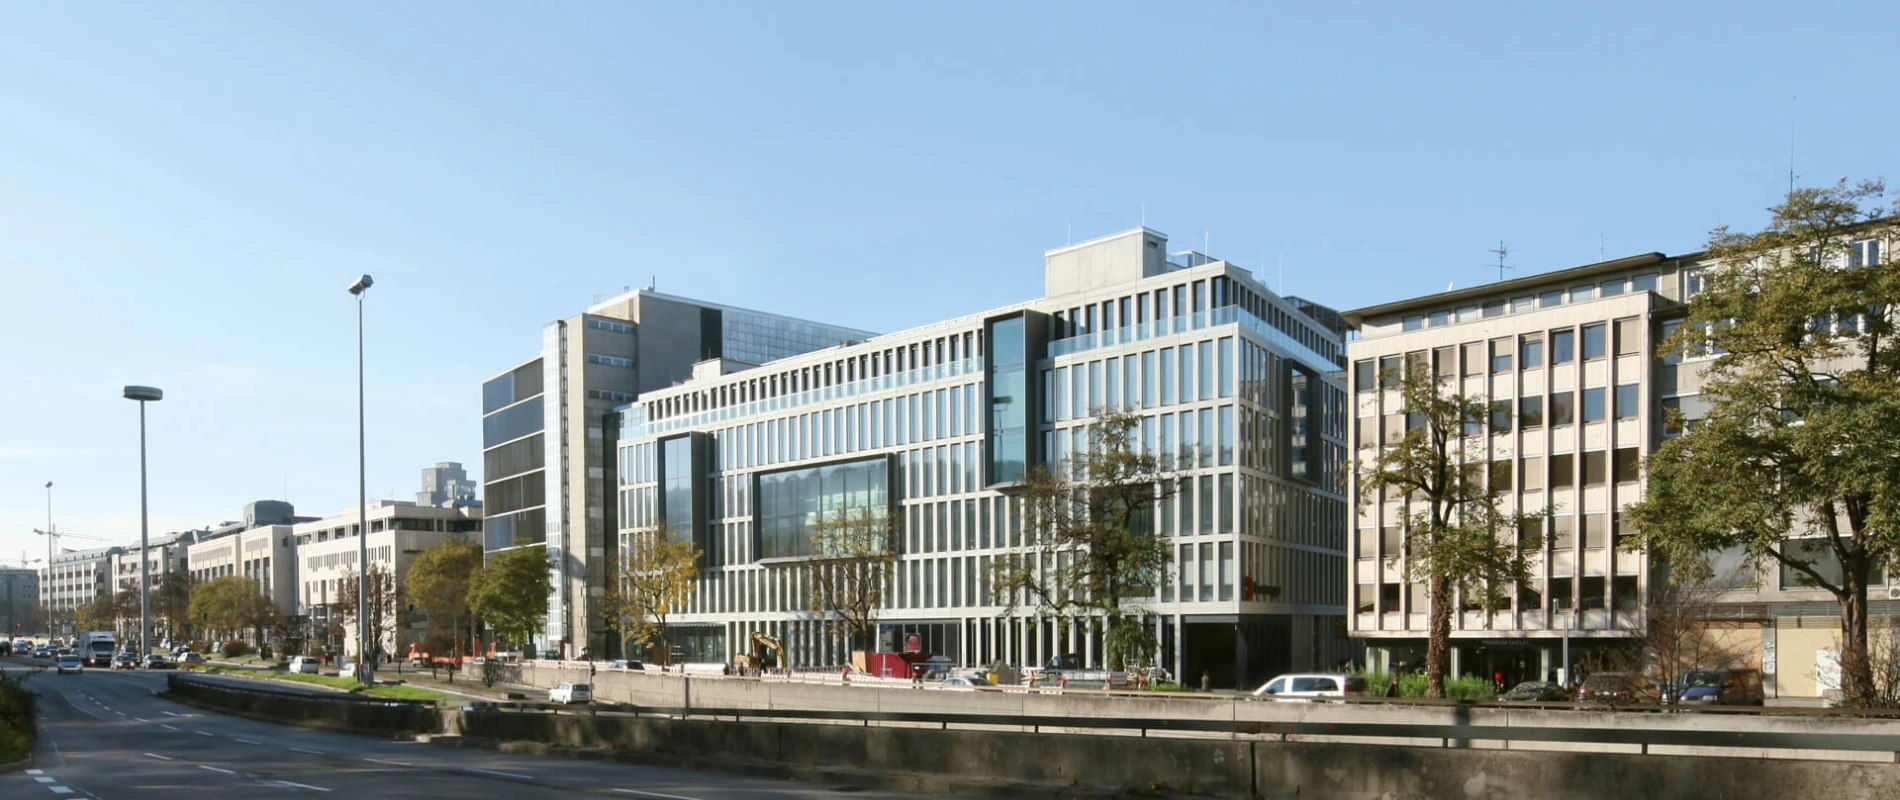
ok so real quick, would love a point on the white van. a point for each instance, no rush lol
(1307, 686)
(304, 664)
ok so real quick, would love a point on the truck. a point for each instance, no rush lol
(97, 647)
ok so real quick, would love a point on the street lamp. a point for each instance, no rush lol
(143, 394)
(46, 585)
(365, 668)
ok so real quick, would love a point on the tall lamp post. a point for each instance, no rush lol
(46, 584)
(365, 665)
(144, 394)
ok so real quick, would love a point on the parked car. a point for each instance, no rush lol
(565, 692)
(1618, 689)
(1727, 687)
(963, 683)
(190, 658)
(125, 661)
(1308, 686)
(624, 664)
(71, 663)
(1536, 692)
(157, 661)
(307, 665)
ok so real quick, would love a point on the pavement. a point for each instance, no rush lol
(108, 735)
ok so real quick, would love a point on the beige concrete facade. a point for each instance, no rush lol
(399, 531)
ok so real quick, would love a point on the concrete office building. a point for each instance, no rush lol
(74, 580)
(447, 485)
(326, 556)
(264, 554)
(19, 596)
(1568, 361)
(166, 556)
(545, 430)
(936, 425)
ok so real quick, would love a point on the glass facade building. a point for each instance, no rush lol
(1240, 392)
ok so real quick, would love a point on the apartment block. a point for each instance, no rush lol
(326, 555)
(547, 427)
(1238, 389)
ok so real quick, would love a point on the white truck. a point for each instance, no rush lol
(97, 647)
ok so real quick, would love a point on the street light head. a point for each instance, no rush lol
(141, 393)
(361, 285)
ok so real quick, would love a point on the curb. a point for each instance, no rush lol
(16, 766)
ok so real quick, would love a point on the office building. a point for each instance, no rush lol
(165, 557)
(19, 596)
(1568, 362)
(546, 430)
(1237, 388)
(447, 485)
(326, 556)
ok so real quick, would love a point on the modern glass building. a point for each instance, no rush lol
(548, 423)
(1239, 389)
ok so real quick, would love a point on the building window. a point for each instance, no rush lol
(1582, 294)
(1533, 473)
(1593, 344)
(1494, 308)
(792, 503)
(1629, 337)
(1593, 410)
(1563, 407)
(1595, 468)
(1550, 299)
(1563, 471)
(610, 361)
(1611, 288)
(1414, 322)
(1530, 411)
(1474, 359)
(1626, 403)
(1500, 355)
(1644, 283)
(1563, 346)
(1440, 319)
(1627, 465)
(1864, 253)
(1501, 416)
(1531, 351)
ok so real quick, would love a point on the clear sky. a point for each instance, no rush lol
(186, 189)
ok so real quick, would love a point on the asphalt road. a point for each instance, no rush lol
(107, 735)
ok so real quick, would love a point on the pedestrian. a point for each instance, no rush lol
(1206, 681)
(1392, 689)
(1497, 680)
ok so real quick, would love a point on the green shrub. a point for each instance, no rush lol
(235, 649)
(17, 716)
(1411, 684)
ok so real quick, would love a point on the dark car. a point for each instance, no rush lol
(157, 661)
(1731, 687)
(125, 661)
(1618, 689)
(1536, 692)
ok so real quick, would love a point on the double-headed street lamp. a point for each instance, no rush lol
(143, 394)
(365, 666)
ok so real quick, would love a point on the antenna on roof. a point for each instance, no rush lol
(653, 283)
(1501, 252)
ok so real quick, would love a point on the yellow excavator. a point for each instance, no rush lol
(761, 643)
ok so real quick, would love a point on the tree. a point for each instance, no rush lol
(1683, 629)
(653, 579)
(171, 602)
(1458, 536)
(1794, 462)
(1092, 546)
(511, 592)
(856, 554)
(385, 603)
(438, 582)
(95, 616)
(126, 610)
(229, 605)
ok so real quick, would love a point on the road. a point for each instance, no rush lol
(107, 735)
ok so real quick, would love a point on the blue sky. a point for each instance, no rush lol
(187, 188)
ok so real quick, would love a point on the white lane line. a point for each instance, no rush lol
(166, 727)
(157, 756)
(36, 772)
(656, 794)
(300, 750)
(43, 779)
(170, 714)
(397, 763)
(246, 741)
(502, 774)
(141, 719)
(60, 790)
(217, 769)
(298, 785)
(204, 733)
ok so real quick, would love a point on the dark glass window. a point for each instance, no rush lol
(1563, 408)
(512, 423)
(791, 503)
(1531, 352)
(1563, 346)
(1009, 406)
(1626, 405)
(1530, 411)
(1593, 410)
(1594, 345)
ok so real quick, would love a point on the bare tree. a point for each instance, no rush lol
(385, 602)
(852, 571)
(1685, 626)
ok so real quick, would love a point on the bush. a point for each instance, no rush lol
(1412, 684)
(236, 649)
(199, 646)
(16, 719)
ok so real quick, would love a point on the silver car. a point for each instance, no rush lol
(71, 664)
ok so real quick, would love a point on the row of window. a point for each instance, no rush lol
(1187, 299)
(610, 361)
(1184, 374)
(1584, 594)
(1556, 532)
(896, 360)
(1582, 293)
(1598, 404)
(611, 397)
(1496, 356)
(609, 325)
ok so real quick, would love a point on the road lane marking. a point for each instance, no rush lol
(502, 774)
(60, 790)
(36, 772)
(217, 769)
(157, 756)
(141, 719)
(300, 750)
(246, 741)
(397, 763)
(204, 733)
(296, 784)
(656, 794)
(44, 779)
(166, 727)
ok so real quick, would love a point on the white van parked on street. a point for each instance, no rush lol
(1305, 687)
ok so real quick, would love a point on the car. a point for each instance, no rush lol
(480, 705)
(125, 661)
(71, 664)
(565, 692)
(963, 683)
(1618, 689)
(624, 664)
(1535, 692)
(1728, 687)
(191, 658)
(1307, 686)
(303, 664)
(157, 661)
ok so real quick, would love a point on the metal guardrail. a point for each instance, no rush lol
(1449, 735)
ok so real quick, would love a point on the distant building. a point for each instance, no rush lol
(446, 485)
(546, 429)
(19, 595)
(167, 557)
(74, 580)
(326, 551)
